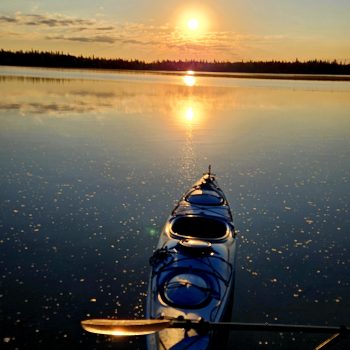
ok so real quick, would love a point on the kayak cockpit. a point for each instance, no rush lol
(199, 227)
(204, 197)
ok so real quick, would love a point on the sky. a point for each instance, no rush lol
(221, 30)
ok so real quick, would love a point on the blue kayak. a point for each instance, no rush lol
(193, 267)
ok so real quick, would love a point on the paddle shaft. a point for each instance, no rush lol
(257, 327)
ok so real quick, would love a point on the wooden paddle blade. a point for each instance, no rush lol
(124, 327)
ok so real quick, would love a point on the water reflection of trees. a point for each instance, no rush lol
(59, 97)
(34, 80)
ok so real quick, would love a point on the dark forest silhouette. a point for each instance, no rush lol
(61, 60)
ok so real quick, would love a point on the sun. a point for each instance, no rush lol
(193, 24)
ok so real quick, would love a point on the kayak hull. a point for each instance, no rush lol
(193, 267)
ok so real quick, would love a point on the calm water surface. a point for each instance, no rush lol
(92, 164)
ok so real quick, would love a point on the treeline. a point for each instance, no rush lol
(59, 59)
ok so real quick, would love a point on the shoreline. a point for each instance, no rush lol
(278, 76)
(206, 74)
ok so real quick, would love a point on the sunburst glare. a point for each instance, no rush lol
(189, 114)
(189, 79)
(193, 24)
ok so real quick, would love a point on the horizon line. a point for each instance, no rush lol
(340, 62)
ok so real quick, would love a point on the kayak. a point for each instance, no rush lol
(193, 266)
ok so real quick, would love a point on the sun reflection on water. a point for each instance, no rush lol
(189, 115)
(189, 79)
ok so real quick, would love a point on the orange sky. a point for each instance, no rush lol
(221, 30)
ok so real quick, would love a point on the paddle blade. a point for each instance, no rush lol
(124, 327)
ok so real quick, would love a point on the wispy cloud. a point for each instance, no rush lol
(7, 19)
(84, 39)
(50, 20)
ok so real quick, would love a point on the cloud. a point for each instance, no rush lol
(139, 42)
(7, 19)
(50, 20)
(106, 28)
(85, 39)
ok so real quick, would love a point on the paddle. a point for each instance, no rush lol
(124, 327)
(141, 327)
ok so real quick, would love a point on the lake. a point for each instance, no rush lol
(93, 162)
